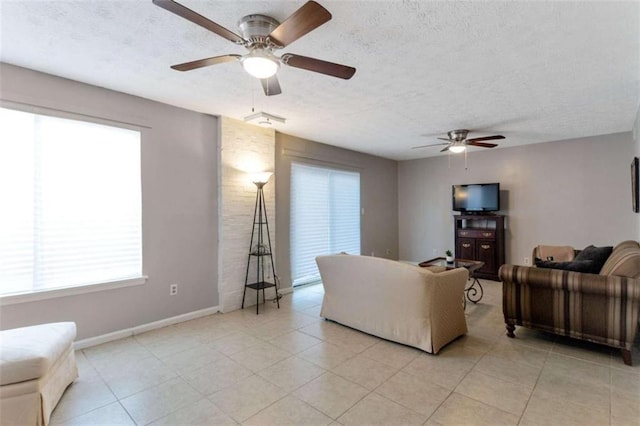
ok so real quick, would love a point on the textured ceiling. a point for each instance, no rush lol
(532, 71)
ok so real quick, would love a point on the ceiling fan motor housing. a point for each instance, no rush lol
(458, 135)
(255, 29)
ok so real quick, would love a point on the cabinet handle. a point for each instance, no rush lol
(487, 234)
(466, 245)
(485, 246)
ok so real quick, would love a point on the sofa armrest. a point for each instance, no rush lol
(446, 307)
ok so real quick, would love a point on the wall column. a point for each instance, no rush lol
(245, 148)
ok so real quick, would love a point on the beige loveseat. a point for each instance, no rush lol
(393, 300)
(601, 308)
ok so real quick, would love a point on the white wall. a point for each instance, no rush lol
(574, 192)
(245, 148)
(179, 205)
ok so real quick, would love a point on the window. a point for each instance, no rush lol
(325, 217)
(71, 203)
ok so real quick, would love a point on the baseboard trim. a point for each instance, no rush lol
(128, 332)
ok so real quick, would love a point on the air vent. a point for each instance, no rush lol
(264, 119)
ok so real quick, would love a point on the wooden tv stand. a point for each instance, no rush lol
(481, 237)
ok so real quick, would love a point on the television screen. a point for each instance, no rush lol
(479, 197)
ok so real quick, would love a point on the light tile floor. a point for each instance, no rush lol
(290, 367)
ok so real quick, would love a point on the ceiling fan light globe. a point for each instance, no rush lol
(457, 149)
(259, 65)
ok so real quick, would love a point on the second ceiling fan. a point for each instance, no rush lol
(458, 142)
(262, 35)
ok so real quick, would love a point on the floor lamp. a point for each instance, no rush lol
(257, 247)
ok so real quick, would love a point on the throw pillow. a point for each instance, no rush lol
(576, 265)
(598, 255)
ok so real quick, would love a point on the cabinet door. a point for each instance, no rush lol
(465, 248)
(486, 252)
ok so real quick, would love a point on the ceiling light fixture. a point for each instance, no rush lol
(457, 149)
(260, 63)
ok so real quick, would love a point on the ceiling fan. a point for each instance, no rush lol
(458, 142)
(262, 35)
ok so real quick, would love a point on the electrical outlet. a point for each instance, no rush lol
(435, 252)
(527, 261)
(388, 251)
(173, 289)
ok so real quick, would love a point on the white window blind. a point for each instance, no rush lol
(71, 203)
(325, 217)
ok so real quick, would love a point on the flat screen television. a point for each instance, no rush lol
(476, 197)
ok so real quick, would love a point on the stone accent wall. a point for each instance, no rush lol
(245, 148)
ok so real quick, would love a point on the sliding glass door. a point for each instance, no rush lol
(325, 217)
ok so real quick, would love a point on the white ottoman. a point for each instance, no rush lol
(37, 364)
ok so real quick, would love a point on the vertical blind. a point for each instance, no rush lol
(325, 217)
(71, 203)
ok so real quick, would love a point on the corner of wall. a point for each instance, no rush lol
(635, 132)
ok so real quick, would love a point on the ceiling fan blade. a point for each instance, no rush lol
(427, 146)
(271, 86)
(318, 65)
(198, 19)
(486, 138)
(445, 139)
(304, 20)
(482, 144)
(446, 148)
(188, 66)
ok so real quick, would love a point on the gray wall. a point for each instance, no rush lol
(179, 215)
(574, 192)
(378, 196)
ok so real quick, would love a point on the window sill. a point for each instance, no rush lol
(13, 299)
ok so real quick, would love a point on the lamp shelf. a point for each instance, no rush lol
(261, 285)
(259, 254)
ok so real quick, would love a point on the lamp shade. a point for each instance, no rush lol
(261, 177)
(456, 149)
(260, 64)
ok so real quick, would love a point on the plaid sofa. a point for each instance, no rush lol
(600, 308)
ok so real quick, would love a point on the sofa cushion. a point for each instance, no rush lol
(624, 262)
(27, 353)
(576, 265)
(554, 253)
(598, 255)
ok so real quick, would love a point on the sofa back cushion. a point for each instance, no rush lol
(554, 253)
(623, 262)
